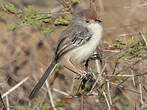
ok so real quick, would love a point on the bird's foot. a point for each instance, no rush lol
(82, 74)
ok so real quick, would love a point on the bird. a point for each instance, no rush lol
(76, 44)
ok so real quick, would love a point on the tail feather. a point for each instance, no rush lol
(49, 70)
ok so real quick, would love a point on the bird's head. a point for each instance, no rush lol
(86, 16)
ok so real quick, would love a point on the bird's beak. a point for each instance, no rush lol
(98, 20)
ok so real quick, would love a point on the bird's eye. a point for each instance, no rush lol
(87, 21)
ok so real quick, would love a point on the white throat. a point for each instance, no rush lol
(97, 31)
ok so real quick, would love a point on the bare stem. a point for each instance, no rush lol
(50, 94)
(15, 87)
(109, 108)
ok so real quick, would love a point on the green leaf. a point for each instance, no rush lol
(74, 1)
(59, 105)
(116, 98)
(1, 15)
(46, 18)
(24, 107)
(14, 25)
(127, 107)
(48, 30)
(44, 107)
(11, 8)
(65, 20)
(49, 10)
(32, 21)
(29, 11)
(35, 18)
(1, 4)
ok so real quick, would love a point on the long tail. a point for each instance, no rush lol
(49, 70)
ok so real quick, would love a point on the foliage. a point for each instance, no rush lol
(2, 14)
(37, 18)
(63, 20)
(74, 1)
(48, 30)
(14, 25)
(116, 98)
(126, 107)
(42, 106)
(1, 4)
(47, 24)
(59, 105)
(11, 8)
(136, 50)
(123, 42)
(24, 107)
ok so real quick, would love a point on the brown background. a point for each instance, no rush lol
(25, 52)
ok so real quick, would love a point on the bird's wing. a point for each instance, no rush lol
(73, 37)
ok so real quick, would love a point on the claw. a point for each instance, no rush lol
(83, 74)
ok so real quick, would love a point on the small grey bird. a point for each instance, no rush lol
(76, 44)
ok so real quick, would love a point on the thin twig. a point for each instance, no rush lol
(122, 51)
(54, 13)
(15, 87)
(109, 94)
(142, 35)
(7, 102)
(127, 75)
(122, 87)
(113, 51)
(121, 26)
(62, 3)
(98, 78)
(134, 63)
(82, 103)
(123, 75)
(140, 90)
(100, 106)
(109, 108)
(143, 104)
(43, 98)
(133, 78)
(2, 104)
(131, 34)
(60, 92)
(138, 6)
(50, 94)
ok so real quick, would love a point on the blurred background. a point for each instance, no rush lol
(26, 52)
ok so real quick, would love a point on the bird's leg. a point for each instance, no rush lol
(77, 70)
(93, 57)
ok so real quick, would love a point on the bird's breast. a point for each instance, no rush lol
(84, 51)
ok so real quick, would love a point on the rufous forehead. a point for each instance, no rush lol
(89, 14)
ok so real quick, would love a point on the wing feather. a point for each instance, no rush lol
(74, 36)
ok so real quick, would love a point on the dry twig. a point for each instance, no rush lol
(2, 104)
(50, 94)
(7, 102)
(15, 87)
(142, 35)
(109, 108)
